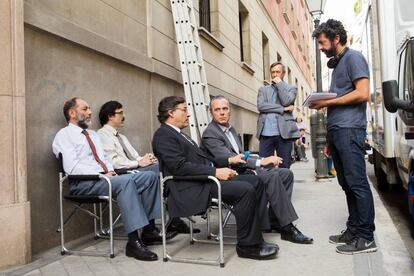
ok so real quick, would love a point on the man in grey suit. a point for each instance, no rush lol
(220, 141)
(276, 127)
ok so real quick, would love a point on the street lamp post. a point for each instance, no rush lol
(321, 162)
(316, 9)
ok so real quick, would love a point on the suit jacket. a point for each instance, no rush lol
(179, 157)
(286, 96)
(217, 146)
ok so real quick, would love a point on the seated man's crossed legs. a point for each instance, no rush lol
(279, 187)
(247, 195)
(175, 224)
(138, 199)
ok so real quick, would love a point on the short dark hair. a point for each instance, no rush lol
(278, 63)
(331, 28)
(166, 105)
(69, 104)
(108, 109)
(218, 97)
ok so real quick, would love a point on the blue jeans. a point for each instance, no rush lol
(283, 147)
(347, 146)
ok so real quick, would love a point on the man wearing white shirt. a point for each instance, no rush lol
(137, 195)
(119, 150)
(122, 154)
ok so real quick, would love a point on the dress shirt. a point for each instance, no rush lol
(174, 127)
(271, 126)
(77, 154)
(114, 149)
(183, 134)
(230, 136)
(233, 142)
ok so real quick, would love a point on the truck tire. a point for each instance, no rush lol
(382, 183)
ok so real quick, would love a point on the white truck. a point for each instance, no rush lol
(388, 44)
(389, 48)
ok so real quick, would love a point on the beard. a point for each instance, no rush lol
(83, 122)
(331, 52)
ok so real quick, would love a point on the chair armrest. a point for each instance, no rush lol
(188, 178)
(122, 171)
(84, 177)
(198, 178)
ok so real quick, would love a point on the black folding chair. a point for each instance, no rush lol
(77, 202)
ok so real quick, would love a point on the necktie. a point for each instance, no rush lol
(93, 148)
(188, 138)
(232, 140)
(127, 152)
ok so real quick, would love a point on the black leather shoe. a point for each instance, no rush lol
(139, 251)
(263, 251)
(293, 234)
(179, 226)
(155, 237)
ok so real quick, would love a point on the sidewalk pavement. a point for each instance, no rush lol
(322, 210)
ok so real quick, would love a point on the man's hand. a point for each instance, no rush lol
(271, 160)
(111, 173)
(225, 173)
(277, 79)
(289, 108)
(147, 160)
(324, 103)
(237, 159)
(318, 104)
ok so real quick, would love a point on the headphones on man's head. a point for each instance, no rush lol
(333, 62)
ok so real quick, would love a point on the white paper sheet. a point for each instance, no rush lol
(315, 96)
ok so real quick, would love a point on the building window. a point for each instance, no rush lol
(289, 72)
(204, 6)
(266, 57)
(244, 27)
(247, 139)
(287, 11)
(298, 94)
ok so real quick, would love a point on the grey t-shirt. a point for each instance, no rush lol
(351, 67)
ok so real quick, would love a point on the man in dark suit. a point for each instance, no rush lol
(276, 127)
(179, 155)
(221, 142)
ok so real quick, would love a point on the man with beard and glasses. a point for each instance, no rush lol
(346, 125)
(122, 154)
(137, 195)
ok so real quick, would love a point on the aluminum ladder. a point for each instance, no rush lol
(192, 67)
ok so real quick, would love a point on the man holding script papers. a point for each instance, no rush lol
(346, 126)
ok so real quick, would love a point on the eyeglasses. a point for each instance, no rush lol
(182, 109)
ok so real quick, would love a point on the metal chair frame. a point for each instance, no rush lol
(217, 238)
(77, 202)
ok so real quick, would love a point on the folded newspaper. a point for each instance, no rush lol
(316, 96)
